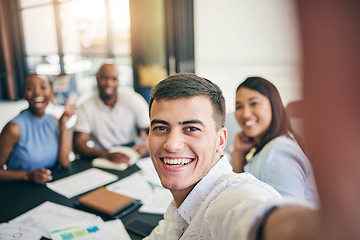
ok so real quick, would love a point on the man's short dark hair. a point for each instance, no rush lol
(186, 85)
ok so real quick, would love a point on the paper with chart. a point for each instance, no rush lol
(90, 230)
(48, 215)
(81, 182)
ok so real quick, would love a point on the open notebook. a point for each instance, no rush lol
(105, 163)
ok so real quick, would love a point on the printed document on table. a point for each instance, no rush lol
(148, 171)
(146, 186)
(157, 202)
(17, 231)
(134, 186)
(90, 230)
(81, 182)
(48, 215)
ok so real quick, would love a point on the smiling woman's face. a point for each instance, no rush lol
(38, 93)
(253, 113)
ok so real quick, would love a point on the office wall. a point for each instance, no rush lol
(239, 38)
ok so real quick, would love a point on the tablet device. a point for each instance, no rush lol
(139, 227)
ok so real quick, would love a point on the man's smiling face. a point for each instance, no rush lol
(108, 81)
(183, 140)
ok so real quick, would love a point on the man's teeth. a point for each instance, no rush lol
(249, 123)
(178, 161)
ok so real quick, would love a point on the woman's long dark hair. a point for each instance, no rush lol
(280, 123)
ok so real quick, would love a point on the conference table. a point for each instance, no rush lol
(17, 198)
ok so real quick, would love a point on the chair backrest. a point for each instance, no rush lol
(295, 113)
(232, 128)
(295, 109)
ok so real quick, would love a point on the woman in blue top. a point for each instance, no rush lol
(266, 146)
(35, 141)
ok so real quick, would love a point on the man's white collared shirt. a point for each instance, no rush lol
(219, 200)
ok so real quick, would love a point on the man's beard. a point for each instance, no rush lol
(107, 96)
